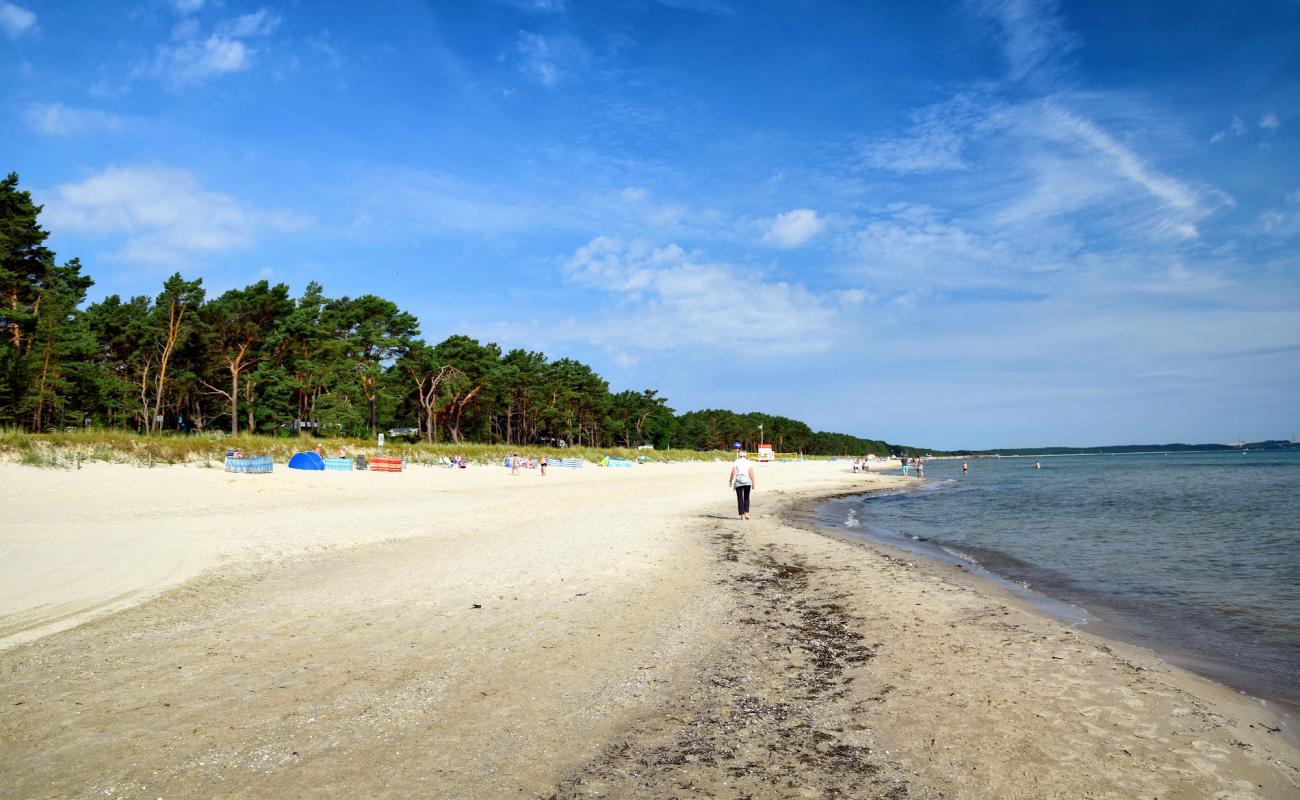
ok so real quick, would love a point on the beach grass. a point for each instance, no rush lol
(70, 448)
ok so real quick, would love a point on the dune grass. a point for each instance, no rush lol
(68, 449)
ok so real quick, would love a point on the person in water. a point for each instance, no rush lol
(742, 480)
(965, 467)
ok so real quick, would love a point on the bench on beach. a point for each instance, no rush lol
(256, 465)
(382, 464)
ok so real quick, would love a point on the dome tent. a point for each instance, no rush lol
(307, 460)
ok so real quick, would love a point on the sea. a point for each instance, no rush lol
(1194, 555)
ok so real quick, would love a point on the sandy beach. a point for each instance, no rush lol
(179, 632)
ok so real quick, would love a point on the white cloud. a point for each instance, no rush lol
(192, 57)
(56, 119)
(1121, 158)
(16, 20)
(1061, 162)
(933, 142)
(1034, 37)
(539, 58)
(1238, 128)
(398, 201)
(1269, 122)
(852, 297)
(716, 7)
(187, 6)
(262, 22)
(912, 246)
(794, 228)
(196, 59)
(539, 6)
(667, 299)
(162, 214)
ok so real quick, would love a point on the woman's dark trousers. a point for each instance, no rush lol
(742, 499)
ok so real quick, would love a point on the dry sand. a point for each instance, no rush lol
(180, 632)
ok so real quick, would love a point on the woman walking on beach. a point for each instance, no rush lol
(742, 480)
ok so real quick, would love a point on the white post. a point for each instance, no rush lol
(381, 443)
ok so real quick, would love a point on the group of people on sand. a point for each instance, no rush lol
(862, 465)
(518, 462)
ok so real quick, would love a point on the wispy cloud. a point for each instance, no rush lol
(718, 7)
(262, 22)
(1183, 205)
(16, 21)
(160, 214)
(668, 298)
(427, 202)
(56, 119)
(1035, 40)
(794, 228)
(191, 56)
(187, 6)
(933, 142)
(545, 59)
(1027, 161)
(1270, 122)
(1236, 128)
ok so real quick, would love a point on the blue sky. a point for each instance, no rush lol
(979, 224)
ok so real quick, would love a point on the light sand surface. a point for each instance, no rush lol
(181, 632)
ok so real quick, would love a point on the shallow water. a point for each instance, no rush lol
(1196, 555)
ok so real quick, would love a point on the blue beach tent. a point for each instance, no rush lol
(307, 461)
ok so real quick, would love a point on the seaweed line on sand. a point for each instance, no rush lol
(773, 716)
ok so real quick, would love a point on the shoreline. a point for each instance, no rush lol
(1067, 610)
(493, 636)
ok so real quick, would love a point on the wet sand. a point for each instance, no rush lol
(178, 632)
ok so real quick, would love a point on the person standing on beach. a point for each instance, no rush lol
(514, 464)
(742, 480)
(541, 464)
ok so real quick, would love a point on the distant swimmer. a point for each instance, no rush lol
(965, 467)
(1038, 465)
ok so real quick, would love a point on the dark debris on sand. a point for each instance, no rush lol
(774, 717)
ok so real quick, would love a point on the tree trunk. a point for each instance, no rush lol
(248, 405)
(234, 399)
(40, 389)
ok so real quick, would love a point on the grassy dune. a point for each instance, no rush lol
(67, 450)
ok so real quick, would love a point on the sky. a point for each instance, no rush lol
(994, 223)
